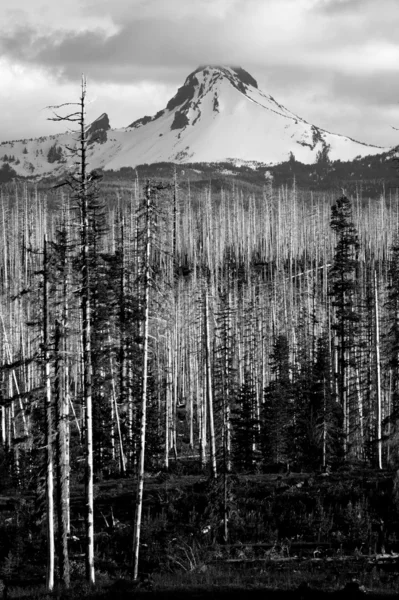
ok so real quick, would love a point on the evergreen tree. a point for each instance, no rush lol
(246, 431)
(301, 427)
(277, 407)
(7, 173)
(225, 376)
(325, 412)
(54, 154)
(343, 290)
(392, 340)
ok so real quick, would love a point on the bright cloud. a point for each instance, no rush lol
(327, 60)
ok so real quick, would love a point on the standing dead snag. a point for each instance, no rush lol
(62, 458)
(378, 371)
(49, 431)
(148, 214)
(209, 388)
(84, 191)
(61, 248)
(86, 338)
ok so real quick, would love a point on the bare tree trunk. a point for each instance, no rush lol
(66, 393)
(122, 458)
(140, 478)
(62, 462)
(324, 425)
(202, 420)
(3, 429)
(360, 442)
(209, 393)
(174, 387)
(86, 338)
(49, 431)
(225, 508)
(124, 362)
(378, 372)
(168, 402)
(14, 377)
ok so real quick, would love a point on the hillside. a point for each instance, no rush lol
(370, 176)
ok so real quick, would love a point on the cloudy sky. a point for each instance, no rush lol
(333, 62)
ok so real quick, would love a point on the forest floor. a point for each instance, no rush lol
(286, 530)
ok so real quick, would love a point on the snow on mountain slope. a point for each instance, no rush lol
(218, 114)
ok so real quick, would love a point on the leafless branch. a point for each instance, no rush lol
(56, 106)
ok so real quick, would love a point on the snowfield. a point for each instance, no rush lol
(219, 114)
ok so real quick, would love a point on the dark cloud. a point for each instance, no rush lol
(341, 7)
(142, 49)
(165, 50)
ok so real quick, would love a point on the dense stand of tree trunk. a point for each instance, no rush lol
(289, 356)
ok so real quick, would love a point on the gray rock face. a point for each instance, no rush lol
(97, 131)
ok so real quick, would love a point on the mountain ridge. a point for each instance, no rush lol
(219, 114)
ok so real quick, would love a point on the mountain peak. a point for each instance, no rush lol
(203, 79)
(231, 72)
(97, 130)
(218, 114)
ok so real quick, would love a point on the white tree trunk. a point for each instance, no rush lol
(378, 372)
(143, 419)
(49, 432)
(86, 338)
(209, 394)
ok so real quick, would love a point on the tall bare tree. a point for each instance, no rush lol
(146, 268)
(49, 429)
(84, 191)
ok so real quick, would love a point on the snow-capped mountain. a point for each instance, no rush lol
(219, 114)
